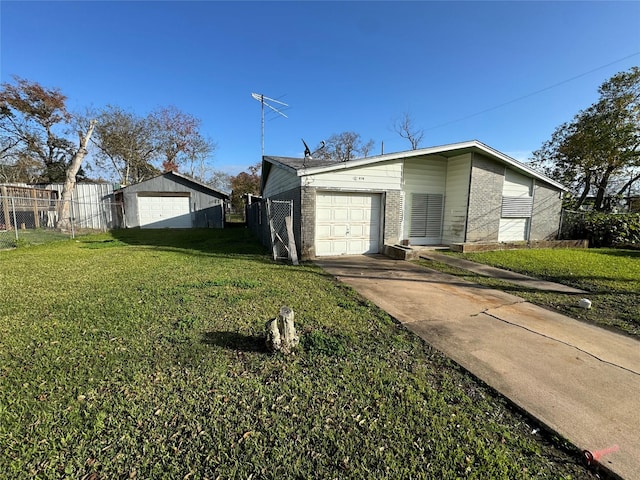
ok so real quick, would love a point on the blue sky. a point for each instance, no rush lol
(339, 65)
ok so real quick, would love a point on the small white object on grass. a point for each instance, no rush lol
(585, 303)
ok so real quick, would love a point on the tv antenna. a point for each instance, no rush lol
(264, 102)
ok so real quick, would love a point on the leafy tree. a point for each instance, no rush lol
(34, 121)
(243, 183)
(406, 129)
(345, 146)
(600, 148)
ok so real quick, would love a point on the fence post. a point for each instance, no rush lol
(15, 221)
(36, 216)
(5, 206)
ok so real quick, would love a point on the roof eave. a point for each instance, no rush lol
(474, 145)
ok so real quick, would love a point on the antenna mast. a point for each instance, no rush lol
(261, 98)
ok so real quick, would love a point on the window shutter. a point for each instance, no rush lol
(426, 215)
(517, 207)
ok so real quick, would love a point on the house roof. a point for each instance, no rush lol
(184, 178)
(303, 167)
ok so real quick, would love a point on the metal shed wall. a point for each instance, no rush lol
(207, 208)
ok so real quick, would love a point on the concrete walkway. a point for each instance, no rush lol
(579, 380)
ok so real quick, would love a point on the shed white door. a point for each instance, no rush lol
(164, 212)
(347, 223)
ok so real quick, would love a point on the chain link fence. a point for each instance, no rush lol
(268, 220)
(25, 221)
(278, 211)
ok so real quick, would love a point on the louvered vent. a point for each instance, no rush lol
(426, 215)
(517, 207)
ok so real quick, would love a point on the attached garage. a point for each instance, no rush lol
(347, 223)
(172, 200)
(164, 211)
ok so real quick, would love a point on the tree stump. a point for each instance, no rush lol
(281, 332)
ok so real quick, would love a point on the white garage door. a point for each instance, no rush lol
(164, 212)
(347, 223)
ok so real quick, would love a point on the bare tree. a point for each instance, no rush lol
(179, 137)
(406, 129)
(345, 146)
(126, 145)
(220, 181)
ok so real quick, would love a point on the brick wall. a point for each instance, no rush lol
(392, 217)
(545, 219)
(308, 222)
(485, 199)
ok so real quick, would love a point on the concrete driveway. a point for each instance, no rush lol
(579, 380)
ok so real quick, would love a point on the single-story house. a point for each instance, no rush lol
(457, 193)
(172, 200)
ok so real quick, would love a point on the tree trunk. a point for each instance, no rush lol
(281, 332)
(599, 204)
(585, 192)
(64, 208)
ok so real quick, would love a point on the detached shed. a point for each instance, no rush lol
(459, 193)
(172, 200)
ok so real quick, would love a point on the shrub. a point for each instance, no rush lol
(603, 229)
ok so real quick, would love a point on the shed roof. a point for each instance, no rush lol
(184, 178)
(303, 167)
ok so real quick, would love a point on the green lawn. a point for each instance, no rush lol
(610, 276)
(28, 238)
(138, 354)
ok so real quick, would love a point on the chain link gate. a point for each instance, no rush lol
(280, 216)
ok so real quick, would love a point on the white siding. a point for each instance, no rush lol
(384, 176)
(516, 184)
(457, 198)
(280, 180)
(422, 175)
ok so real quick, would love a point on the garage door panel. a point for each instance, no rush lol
(164, 212)
(323, 215)
(353, 220)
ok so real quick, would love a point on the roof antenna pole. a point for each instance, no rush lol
(261, 98)
(262, 135)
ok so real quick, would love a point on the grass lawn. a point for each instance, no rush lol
(28, 238)
(610, 276)
(138, 354)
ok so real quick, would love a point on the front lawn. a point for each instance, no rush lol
(138, 354)
(610, 276)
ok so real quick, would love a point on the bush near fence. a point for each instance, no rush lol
(602, 229)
